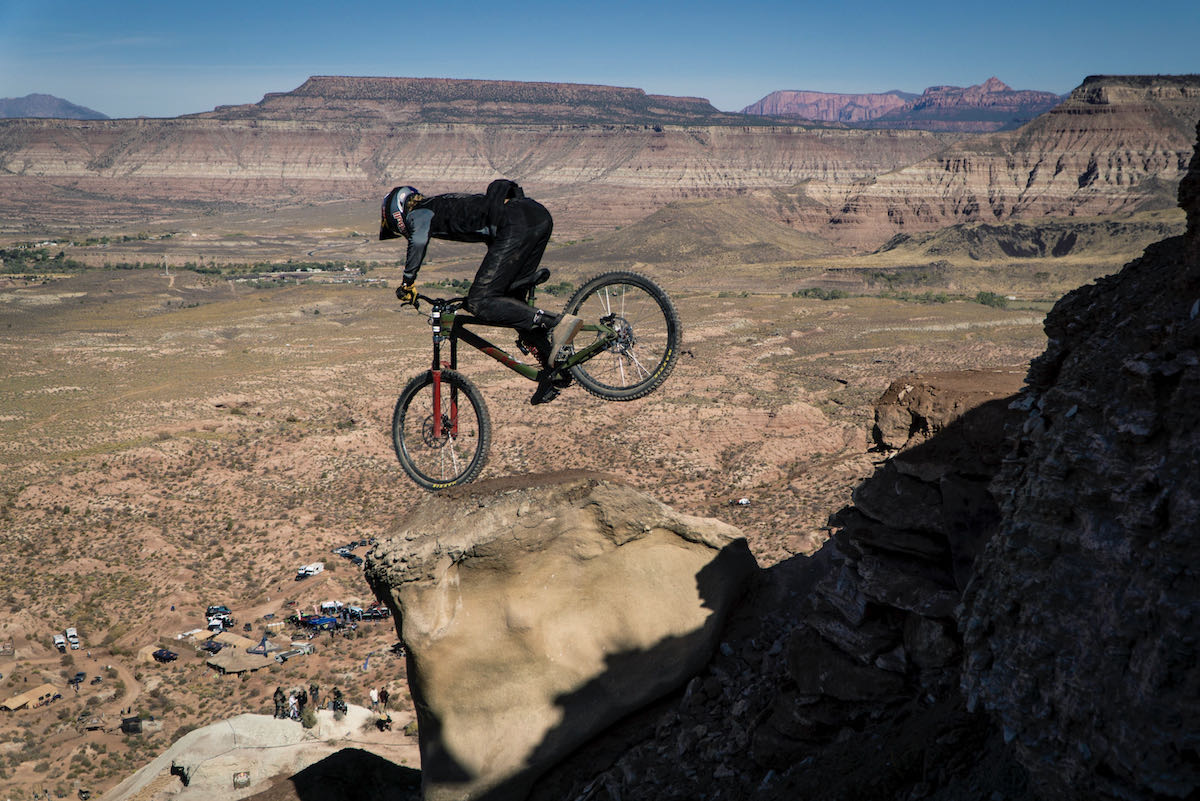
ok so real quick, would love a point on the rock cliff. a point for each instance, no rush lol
(1081, 628)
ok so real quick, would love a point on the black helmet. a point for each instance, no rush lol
(392, 221)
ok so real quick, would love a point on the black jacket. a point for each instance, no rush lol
(456, 217)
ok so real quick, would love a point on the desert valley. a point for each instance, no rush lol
(202, 348)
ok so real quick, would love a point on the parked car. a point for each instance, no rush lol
(163, 655)
(77, 678)
(212, 646)
(357, 560)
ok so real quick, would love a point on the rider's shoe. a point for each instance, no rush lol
(545, 392)
(565, 329)
(549, 387)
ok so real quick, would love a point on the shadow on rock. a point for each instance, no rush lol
(349, 775)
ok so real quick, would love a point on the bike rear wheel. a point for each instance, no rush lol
(648, 335)
(444, 442)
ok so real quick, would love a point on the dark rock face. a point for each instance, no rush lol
(1081, 629)
(839, 677)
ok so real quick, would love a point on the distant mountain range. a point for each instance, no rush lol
(611, 156)
(990, 106)
(47, 106)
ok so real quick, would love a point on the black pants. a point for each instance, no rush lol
(521, 236)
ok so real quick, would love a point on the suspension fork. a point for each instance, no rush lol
(435, 319)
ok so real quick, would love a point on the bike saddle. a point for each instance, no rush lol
(539, 276)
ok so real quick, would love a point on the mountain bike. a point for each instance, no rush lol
(626, 348)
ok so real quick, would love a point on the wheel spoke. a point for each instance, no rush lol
(644, 339)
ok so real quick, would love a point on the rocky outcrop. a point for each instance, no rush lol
(536, 615)
(990, 106)
(1080, 631)
(915, 409)
(199, 764)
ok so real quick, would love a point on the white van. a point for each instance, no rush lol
(305, 571)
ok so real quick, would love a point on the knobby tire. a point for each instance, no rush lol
(448, 460)
(649, 333)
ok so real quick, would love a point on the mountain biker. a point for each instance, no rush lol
(516, 230)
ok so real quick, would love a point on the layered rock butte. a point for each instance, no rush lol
(600, 156)
(990, 106)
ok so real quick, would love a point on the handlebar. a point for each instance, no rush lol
(442, 304)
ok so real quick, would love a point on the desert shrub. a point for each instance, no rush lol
(992, 299)
(308, 718)
(820, 293)
(560, 288)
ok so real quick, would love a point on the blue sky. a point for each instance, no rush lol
(162, 59)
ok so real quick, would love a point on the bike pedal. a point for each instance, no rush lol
(521, 347)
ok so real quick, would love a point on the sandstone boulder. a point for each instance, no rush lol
(535, 616)
(916, 408)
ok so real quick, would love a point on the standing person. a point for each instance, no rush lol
(383, 698)
(374, 694)
(516, 230)
(314, 694)
(280, 703)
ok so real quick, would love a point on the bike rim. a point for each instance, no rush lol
(643, 341)
(441, 433)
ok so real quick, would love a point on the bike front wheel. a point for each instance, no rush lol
(647, 334)
(441, 430)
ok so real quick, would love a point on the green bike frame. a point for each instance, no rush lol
(455, 323)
